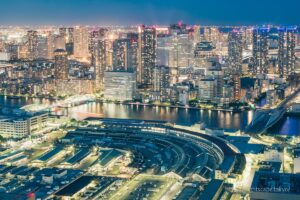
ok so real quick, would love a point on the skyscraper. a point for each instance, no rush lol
(42, 47)
(120, 54)
(61, 64)
(50, 45)
(133, 51)
(81, 44)
(235, 50)
(260, 50)
(197, 36)
(147, 55)
(70, 41)
(161, 80)
(98, 59)
(32, 44)
(59, 42)
(63, 34)
(286, 51)
(124, 55)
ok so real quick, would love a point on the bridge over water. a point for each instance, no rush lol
(265, 118)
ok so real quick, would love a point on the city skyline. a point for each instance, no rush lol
(118, 12)
(149, 100)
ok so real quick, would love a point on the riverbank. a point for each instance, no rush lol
(160, 105)
(179, 115)
(176, 106)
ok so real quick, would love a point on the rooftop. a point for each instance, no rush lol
(75, 186)
(227, 164)
(212, 189)
(289, 183)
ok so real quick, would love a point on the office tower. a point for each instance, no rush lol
(70, 41)
(286, 51)
(59, 42)
(206, 34)
(12, 49)
(94, 37)
(204, 52)
(42, 47)
(109, 53)
(248, 38)
(281, 51)
(214, 35)
(50, 45)
(120, 54)
(63, 33)
(218, 75)
(124, 55)
(81, 44)
(206, 89)
(70, 35)
(197, 36)
(133, 53)
(163, 49)
(183, 50)
(260, 51)
(290, 50)
(22, 51)
(161, 80)
(119, 86)
(61, 64)
(98, 61)
(147, 55)
(235, 51)
(181, 53)
(32, 43)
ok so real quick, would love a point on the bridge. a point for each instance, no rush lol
(265, 119)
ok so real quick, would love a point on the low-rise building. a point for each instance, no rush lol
(16, 127)
(275, 186)
(207, 89)
(213, 190)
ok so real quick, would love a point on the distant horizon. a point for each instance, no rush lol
(136, 25)
(131, 12)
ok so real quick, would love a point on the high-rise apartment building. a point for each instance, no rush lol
(260, 50)
(161, 80)
(61, 64)
(98, 60)
(235, 51)
(81, 44)
(50, 45)
(42, 47)
(70, 41)
(147, 55)
(124, 55)
(286, 51)
(32, 44)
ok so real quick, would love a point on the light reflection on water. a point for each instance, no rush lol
(212, 119)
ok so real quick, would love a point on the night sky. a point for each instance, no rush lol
(132, 12)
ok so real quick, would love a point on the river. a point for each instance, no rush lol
(289, 125)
